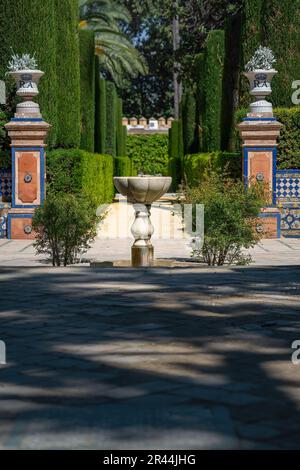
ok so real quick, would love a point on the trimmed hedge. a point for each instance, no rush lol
(288, 156)
(149, 153)
(176, 152)
(30, 26)
(123, 166)
(100, 110)
(111, 119)
(276, 24)
(68, 73)
(87, 89)
(198, 166)
(213, 90)
(76, 171)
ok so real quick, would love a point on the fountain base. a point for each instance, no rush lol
(142, 256)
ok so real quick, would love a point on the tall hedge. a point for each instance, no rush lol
(111, 119)
(30, 26)
(275, 24)
(251, 38)
(213, 87)
(176, 153)
(68, 73)
(100, 110)
(189, 122)
(199, 63)
(281, 32)
(87, 89)
(77, 171)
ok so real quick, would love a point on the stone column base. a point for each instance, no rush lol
(269, 224)
(19, 224)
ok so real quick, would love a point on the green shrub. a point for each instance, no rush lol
(87, 89)
(213, 90)
(123, 166)
(230, 212)
(149, 153)
(65, 225)
(198, 167)
(111, 119)
(68, 73)
(176, 152)
(289, 140)
(29, 26)
(79, 172)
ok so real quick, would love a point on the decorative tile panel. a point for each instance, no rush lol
(5, 185)
(288, 187)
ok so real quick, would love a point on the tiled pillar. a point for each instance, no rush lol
(28, 132)
(259, 136)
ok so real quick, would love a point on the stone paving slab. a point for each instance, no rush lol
(166, 358)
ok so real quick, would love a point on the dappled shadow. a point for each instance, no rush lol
(165, 358)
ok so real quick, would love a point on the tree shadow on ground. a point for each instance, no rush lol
(165, 358)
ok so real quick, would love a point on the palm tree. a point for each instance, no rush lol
(117, 55)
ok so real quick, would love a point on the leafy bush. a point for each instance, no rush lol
(149, 153)
(198, 167)
(289, 141)
(82, 173)
(65, 225)
(111, 119)
(230, 213)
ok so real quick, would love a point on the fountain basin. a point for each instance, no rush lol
(143, 189)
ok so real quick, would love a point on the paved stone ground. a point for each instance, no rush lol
(167, 358)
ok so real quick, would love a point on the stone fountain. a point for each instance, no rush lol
(142, 191)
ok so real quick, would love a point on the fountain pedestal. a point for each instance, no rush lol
(142, 191)
(142, 251)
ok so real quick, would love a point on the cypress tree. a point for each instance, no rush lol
(176, 153)
(87, 79)
(189, 122)
(200, 95)
(231, 83)
(68, 73)
(100, 111)
(120, 150)
(281, 26)
(213, 86)
(111, 119)
(29, 26)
